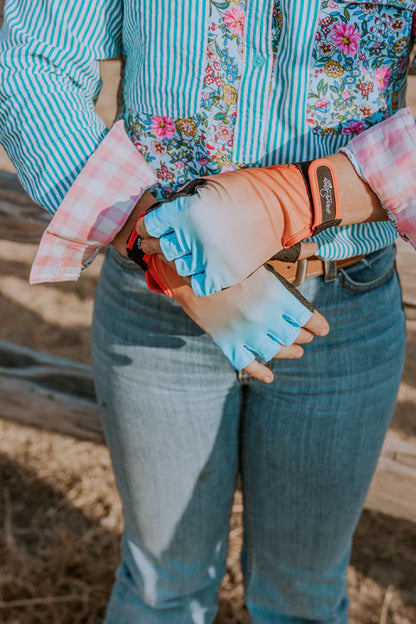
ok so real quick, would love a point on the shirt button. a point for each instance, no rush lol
(258, 60)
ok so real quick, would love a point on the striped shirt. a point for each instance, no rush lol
(300, 70)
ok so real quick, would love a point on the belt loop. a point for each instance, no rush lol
(301, 272)
(330, 267)
(243, 377)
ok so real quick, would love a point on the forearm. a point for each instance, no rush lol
(359, 203)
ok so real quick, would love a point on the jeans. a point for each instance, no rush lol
(180, 424)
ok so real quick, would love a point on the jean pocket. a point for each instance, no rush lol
(371, 272)
(358, 66)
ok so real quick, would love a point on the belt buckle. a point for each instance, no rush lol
(301, 272)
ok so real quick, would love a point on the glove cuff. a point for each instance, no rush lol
(322, 184)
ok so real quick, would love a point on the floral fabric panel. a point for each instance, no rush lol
(183, 148)
(359, 64)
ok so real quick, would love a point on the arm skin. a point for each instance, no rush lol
(120, 241)
(359, 202)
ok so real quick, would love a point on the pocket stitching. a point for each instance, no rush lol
(358, 287)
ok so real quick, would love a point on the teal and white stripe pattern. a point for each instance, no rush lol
(49, 82)
(164, 45)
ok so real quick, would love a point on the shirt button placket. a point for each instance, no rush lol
(258, 61)
(251, 107)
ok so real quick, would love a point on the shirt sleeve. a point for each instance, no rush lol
(49, 83)
(94, 209)
(87, 177)
(385, 158)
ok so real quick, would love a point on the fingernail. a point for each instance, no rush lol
(267, 378)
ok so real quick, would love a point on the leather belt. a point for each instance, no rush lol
(297, 272)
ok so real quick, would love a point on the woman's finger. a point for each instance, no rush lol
(151, 246)
(317, 324)
(141, 228)
(263, 373)
(294, 352)
(304, 336)
(259, 371)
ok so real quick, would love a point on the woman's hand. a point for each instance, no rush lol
(119, 242)
(262, 316)
(221, 228)
(244, 320)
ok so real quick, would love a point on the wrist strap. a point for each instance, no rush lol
(323, 189)
(133, 247)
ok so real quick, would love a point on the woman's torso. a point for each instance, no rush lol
(214, 85)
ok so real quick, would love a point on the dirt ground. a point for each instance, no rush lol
(60, 514)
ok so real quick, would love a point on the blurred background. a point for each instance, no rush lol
(60, 515)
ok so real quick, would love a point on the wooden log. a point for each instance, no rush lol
(21, 220)
(48, 392)
(393, 489)
(58, 395)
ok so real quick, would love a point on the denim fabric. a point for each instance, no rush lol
(180, 423)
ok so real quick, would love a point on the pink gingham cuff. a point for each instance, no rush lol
(385, 157)
(94, 209)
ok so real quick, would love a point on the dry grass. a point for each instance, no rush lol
(61, 524)
(59, 543)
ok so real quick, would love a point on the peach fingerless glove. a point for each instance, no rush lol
(221, 228)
